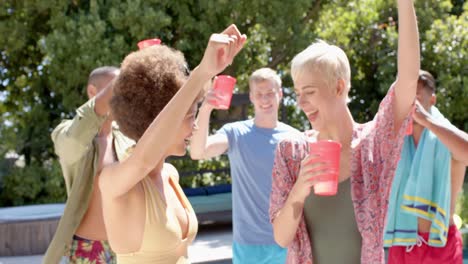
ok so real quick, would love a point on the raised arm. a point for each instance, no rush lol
(408, 61)
(153, 145)
(72, 137)
(203, 146)
(453, 138)
(102, 106)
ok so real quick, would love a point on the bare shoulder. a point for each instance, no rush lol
(171, 170)
(111, 179)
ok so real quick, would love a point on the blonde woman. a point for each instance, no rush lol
(347, 227)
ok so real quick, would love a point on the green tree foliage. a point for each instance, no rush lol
(36, 183)
(367, 32)
(52, 45)
(28, 109)
(445, 54)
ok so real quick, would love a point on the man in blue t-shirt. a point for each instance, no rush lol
(250, 146)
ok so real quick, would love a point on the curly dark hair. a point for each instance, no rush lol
(148, 80)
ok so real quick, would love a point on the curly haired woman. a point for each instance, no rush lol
(148, 219)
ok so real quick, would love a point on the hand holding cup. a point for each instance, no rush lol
(312, 172)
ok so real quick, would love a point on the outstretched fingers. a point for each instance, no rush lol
(222, 48)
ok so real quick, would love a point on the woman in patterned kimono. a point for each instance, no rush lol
(347, 227)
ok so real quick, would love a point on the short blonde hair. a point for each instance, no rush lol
(329, 60)
(263, 74)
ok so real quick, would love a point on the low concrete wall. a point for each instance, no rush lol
(26, 237)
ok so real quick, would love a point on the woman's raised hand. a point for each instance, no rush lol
(221, 50)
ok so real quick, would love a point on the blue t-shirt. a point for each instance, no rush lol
(251, 155)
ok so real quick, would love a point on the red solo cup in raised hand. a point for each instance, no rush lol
(223, 86)
(328, 152)
(148, 43)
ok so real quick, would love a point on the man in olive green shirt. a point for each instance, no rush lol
(84, 145)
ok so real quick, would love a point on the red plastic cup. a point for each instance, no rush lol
(224, 86)
(148, 43)
(328, 152)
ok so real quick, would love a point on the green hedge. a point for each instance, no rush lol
(33, 184)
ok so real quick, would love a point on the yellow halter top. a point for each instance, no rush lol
(162, 237)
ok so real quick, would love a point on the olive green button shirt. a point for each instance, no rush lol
(78, 155)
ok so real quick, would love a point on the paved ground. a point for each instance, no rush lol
(211, 246)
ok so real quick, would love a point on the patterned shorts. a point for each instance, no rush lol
(85, 251)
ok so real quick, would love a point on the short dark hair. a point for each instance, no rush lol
(98, 73)
(148, 80)
(427, 80)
